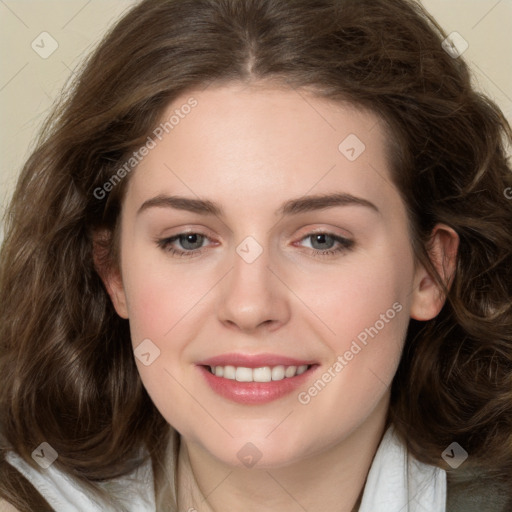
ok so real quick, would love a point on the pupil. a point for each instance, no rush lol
(191, 239)
(322, 239)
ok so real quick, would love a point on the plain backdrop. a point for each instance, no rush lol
(30, 80)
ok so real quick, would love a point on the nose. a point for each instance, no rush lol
(252, 296)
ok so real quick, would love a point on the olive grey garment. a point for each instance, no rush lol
(471, 491)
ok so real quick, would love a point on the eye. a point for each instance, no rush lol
(326, 244)
(190, 242)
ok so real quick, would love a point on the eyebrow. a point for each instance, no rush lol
(291, 207)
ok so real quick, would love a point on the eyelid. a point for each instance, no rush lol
(345, 233)
(188, 229)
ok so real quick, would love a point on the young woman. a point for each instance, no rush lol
(261, 260)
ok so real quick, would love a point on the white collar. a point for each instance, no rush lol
(396, 482)
(64, 494)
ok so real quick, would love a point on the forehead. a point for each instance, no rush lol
(240, 141)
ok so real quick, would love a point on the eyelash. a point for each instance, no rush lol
(344, 245)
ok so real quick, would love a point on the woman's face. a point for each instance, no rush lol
(297, 258)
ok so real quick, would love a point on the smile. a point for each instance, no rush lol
(264, 374)
(255, 379)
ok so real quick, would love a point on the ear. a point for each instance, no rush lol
(109, 271)
(428, 297)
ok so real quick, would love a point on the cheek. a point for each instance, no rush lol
(161, 296)
(353, 297)
(366, 309)
(164, 304)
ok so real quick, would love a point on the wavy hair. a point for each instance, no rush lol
(69, 376)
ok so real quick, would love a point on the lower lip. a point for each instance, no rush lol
(252, 393)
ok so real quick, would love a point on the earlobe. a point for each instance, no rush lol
(428, 295)
(109, 273)
(114, 285)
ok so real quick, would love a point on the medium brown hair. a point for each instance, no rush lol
(69, 376)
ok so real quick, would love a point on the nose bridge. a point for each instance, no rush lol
(251, 279)
(252, 295)
(250, 266)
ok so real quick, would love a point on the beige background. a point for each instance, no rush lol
(29, 83)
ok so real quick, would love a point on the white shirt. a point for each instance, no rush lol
(396, 483)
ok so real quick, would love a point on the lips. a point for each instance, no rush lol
(256, 379)
(254, 361)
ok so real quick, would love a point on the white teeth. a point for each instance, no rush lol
(290, 371)
(243, 374)
(278, 373)
(263, 374)
(302, 369)
(229, 372)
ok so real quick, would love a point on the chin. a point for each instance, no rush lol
(258, 452)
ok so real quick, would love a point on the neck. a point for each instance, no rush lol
(331, 480)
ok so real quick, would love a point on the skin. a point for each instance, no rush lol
(249, 149)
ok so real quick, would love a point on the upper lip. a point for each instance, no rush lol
(253, 361)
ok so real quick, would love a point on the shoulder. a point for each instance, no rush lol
(472, 491)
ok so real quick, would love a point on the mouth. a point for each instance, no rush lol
(263, 374)
(252, 380)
